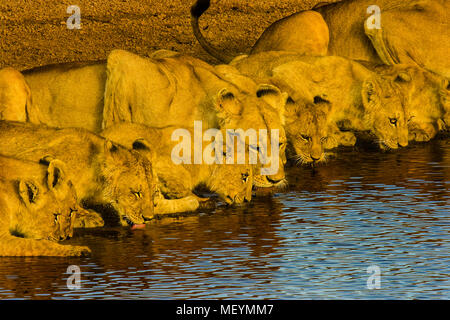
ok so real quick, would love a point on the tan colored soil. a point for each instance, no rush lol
(34, 33)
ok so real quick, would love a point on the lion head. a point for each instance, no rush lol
(306, 130)
(126, 184)
(232, 182)
(425, 95)
(247, 106)
(50, 207)
(384, 112)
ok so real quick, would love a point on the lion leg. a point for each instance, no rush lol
(169, 181)
(88, 219)
(338, 138)
(187, 204)
(421, 132)
(14, 246)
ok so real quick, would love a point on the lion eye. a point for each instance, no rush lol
(137, 194)
(245, 177)
(305, 137)
(393, 121)
(71, 212)
(56, 217)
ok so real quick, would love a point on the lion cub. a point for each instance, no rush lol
(110, 179)
(232, 182)
(38, 206)
(427, 98)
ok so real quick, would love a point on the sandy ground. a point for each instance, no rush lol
(34, 32)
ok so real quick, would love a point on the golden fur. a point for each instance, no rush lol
(15, 97)
(425, 95)
(69, 95)
(177, 90)
(108, 178)
(306, 130)
(232, 182)
(38, 206)
(412, 32)
(284, 35)
(72, 95)
(304, 32)
(360, 99)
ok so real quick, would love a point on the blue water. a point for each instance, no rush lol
(314, 240)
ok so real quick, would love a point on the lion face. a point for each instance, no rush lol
(251, 107)
(232, 182)
(127, 184)
(425, 96)
(385, 113)
(306, 129)
(51, 208)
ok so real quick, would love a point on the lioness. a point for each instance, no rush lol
(361, 100)
(425, 95)
(232, 182)
(411, 32)
(15, 97)
(220, 97)
(283, 35)
(169, 90)
(108, 178)
(38, 206)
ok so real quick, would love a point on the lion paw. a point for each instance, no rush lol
(78, 251)
(88, 219)
(206, 203)
(347, 139)
(418, 135)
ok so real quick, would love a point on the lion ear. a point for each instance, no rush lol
(445, 85)
(403, 76)
(141, 144)
(110, 147)
(322, 101)
(369, 94)
(273, 97)
(28, 192)
(56, 175)
(227, 103)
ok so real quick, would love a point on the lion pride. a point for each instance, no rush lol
(411, 32)
(232, 182)
(361, 100)
(169, 90)
(108, 178)
(38, 207)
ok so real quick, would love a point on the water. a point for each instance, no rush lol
(312, 241)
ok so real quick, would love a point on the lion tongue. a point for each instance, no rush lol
(137, 226)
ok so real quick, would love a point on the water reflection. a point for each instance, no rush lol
(314, 240)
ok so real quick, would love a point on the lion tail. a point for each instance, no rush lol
(199, 7)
